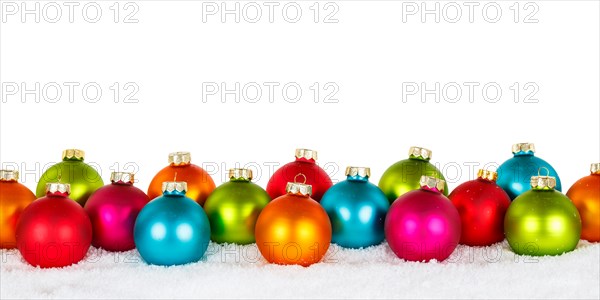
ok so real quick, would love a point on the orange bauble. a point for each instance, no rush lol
(14, 197)
(293, 229)
(585, 194)
(199, 182)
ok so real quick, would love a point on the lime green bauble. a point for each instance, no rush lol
(542, 221)
(404, 176)
(233, 208)
(84, 179)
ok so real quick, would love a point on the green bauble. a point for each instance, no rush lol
(542, 221)
(233, 208)
(404, 176)
(84, 180)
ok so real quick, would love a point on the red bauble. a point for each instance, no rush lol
(54, 231)
(482, 205)
(303, 168)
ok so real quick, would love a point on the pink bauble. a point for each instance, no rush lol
(113, 209)
(422, 225)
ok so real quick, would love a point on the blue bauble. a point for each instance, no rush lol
(514, 175)
(172, 230)
(357, 210)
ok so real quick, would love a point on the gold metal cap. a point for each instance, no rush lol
(58, 188)
(240, 174)
(174, 186)
(487, 175)
(432, 183)
(360, 171)
(306, 154)
(122, 177)
(543, 182)
(9, 175)
(73, 154)
(595, 168)
(523, 147)
(298, 188)
(180, 158)
(419, 153)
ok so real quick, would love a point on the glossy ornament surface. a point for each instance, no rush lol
(84, 179)
(293, 228)
(113, 209)
(422, 225)
(585, 194)
(515, 173)
(199, 182)
(14, 198)
(405, 175)
(234, 207)
(542, 221)
(172, 229)
(482, 205)
(305, 163)
(356, 209)
(54, 231)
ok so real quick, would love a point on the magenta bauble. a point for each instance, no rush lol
(422, 225)
(113, 209)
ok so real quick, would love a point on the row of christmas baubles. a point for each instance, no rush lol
(351, 220)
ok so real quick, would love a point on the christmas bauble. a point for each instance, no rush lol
(84, 179)
(54, 231)
(542, 221)
(422, 225)
(585, 194)
(113, 209)
(199, 182)
(172, 229)
(514, 174)
(305, 163)
(356, 209)
(405, 175)
(482, 205)
(293, 228)
(14, 197)
(233, 208)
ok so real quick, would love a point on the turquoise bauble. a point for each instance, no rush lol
(514, 174)
(356, 209)
(405, 175)
(172, 229)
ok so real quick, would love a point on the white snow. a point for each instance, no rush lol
(230, 271)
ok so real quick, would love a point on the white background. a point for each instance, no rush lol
(373, 50)
(368, 54)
